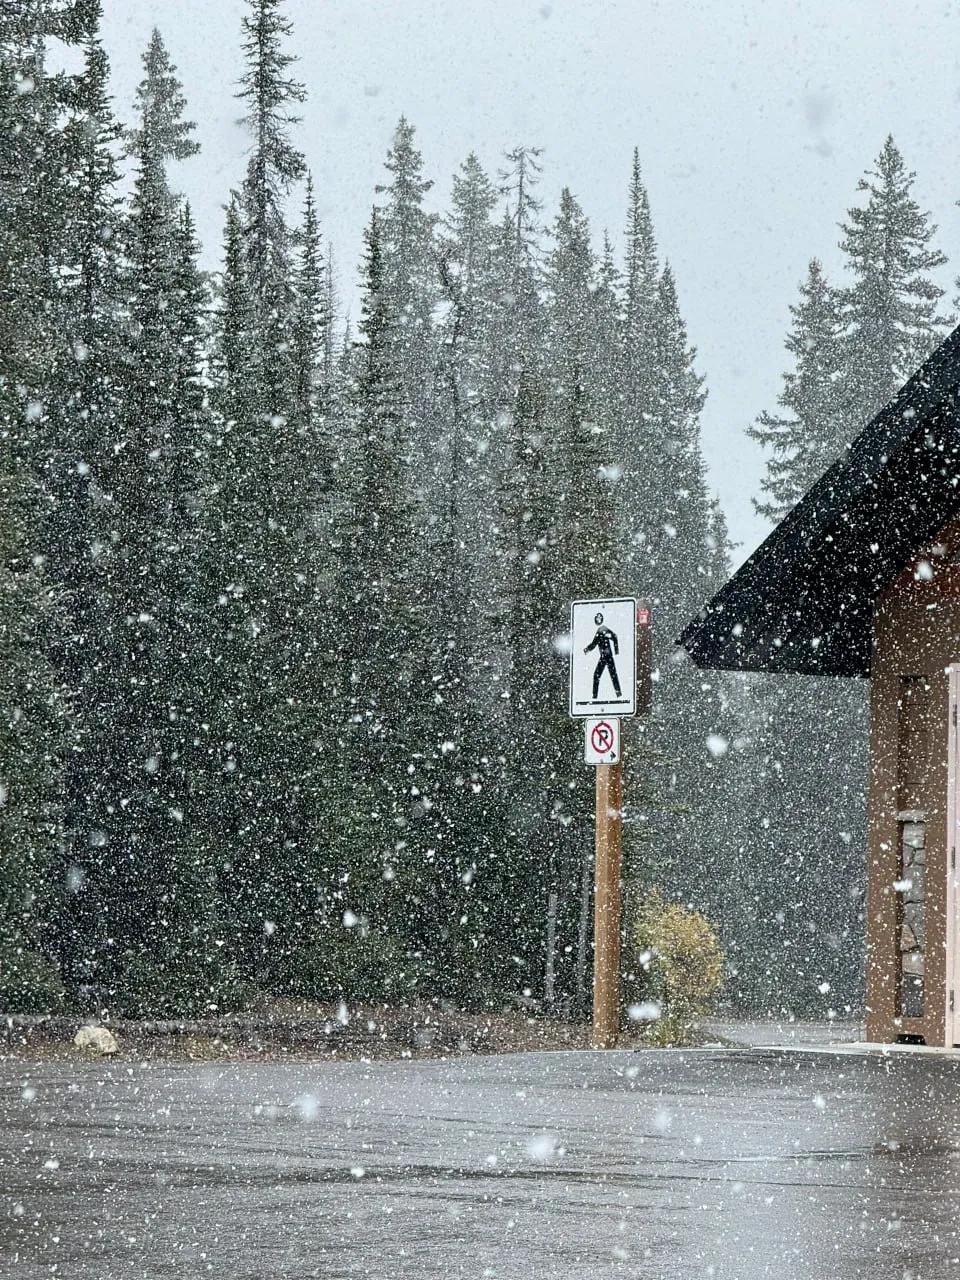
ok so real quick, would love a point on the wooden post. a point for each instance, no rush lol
(549, 968)
(606, 929)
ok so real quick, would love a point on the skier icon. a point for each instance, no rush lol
(606, 642)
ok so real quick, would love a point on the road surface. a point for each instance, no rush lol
(738, 1163)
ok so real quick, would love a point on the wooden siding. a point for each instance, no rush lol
(916, 636)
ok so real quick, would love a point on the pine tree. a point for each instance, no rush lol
(162, 132)
(641, 272)
(468, 365)
(33, 201)
(236, 357)
(586, 545)
(530, 623)
(807, 736)
(147, 708)
(486, 337)
(850, 350)
(639, 457)
(158, 743)
(889, 310)
(234, 585)
(455, 832)
(810, 433)
(516, 333)
(585, 561)
(39, 749)
(524, 618)
(267, 573)
(383, 507)
(468, 273)
(35, 738)
(518, 182)
(330, 365)
(270, 96)
(410, 291)
(190, 307)
(516, 336)
(319, 421)
(381, 621)
(680, 557)
(85, 425)
(311, 356)
(605, 364)
(438, 398)
(678, 544)
(263, 572)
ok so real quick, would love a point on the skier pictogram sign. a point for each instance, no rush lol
(603, 658)
(601, 744)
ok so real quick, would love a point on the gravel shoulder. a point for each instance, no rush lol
(373, 1032)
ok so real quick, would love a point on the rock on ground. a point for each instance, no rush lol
(96, 1038)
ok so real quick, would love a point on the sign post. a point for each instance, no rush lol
(608, 637)
(606, 906)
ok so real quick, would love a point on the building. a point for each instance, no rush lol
(862, 579)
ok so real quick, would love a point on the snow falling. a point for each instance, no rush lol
(286, 590)
(297, 839)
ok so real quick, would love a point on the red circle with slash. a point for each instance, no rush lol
(601, 737)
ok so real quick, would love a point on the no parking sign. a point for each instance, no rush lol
(601, 743)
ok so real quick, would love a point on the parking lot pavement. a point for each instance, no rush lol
(739, 1163)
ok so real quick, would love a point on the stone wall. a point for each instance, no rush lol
(911, 890)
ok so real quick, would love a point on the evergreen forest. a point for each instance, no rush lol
(284, 595)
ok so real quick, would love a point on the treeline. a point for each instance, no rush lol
(283, 608)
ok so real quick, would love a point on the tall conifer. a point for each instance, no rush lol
(806, 437)
(85, 421)
(889, 308)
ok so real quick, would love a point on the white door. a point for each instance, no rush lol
(953, 844)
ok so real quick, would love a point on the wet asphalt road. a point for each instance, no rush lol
(730, 1163)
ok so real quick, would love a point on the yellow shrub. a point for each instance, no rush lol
(678, 965)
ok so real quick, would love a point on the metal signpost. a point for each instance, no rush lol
(610, 677)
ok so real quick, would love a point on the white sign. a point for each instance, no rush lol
(601, 741)
(603, 658)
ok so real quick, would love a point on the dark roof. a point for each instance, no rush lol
(804, 600)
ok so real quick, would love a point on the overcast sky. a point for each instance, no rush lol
(754, 119)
